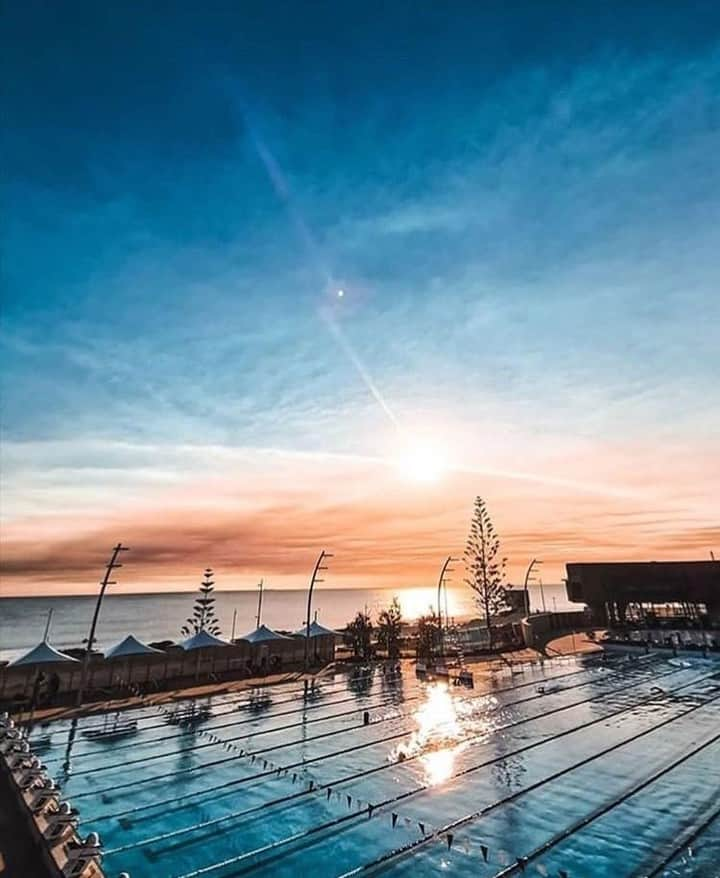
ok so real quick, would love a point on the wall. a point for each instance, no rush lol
(167, 670)
(541, 627)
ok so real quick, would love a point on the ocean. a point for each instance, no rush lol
(160, 616)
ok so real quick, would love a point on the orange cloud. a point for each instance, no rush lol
(382, 530)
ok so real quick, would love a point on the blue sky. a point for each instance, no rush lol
(521, 204)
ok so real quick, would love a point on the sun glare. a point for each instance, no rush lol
(422, 462)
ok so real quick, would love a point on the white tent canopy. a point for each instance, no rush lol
(316, 630)
(263, 634)
(129, 647)
(202, 640)
(42, 654)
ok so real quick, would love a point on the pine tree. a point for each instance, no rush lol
(486, 571)
(203, 617)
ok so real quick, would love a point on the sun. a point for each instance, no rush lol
(422, 461)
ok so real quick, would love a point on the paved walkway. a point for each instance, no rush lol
(573, 643)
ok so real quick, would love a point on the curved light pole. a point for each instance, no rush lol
(528, 572)
(260, 596)
(441, 581)
(318, 567)
(111, 565)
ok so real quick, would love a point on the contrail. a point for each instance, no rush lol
(282, 190)
(347, 349)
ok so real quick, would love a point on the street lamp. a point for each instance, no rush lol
(111, 565)
(318, 567)
(441, 582)
(535, 562)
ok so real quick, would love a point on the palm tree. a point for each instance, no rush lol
(390, 629)
(203, 617)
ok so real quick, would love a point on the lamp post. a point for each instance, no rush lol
(528, 573)
(441, 581)
(259, 609)
(318, 567)
(111, 565)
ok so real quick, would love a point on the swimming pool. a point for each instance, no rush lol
(584, 768)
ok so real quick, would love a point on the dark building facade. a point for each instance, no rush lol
(616, 591)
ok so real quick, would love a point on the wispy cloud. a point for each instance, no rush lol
(530, 268)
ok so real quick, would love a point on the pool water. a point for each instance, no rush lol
(577, 767)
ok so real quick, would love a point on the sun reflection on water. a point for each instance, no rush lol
(444, 723)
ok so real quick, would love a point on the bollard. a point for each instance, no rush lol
(366, 718)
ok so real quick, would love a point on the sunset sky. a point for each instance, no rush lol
(280, 277)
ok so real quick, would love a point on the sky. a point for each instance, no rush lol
(287, 277)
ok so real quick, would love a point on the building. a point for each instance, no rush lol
(618, 593)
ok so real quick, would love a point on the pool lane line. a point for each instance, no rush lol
(239, 702)
(384, 766)
(392, 701)
(688, 839)
(614, 667)
(242, 701)
(276, 770)
(365, 773)
(372, 810)
(303, 705)
(153, 778)
(413, 846)
(316, 705)
(241, 722)
(258, 733)
(189, 730)
(604, 809)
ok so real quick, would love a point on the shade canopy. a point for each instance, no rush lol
(316, 630)
(42, 654)
(202, 640)
(262, 635)
(128, 647)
